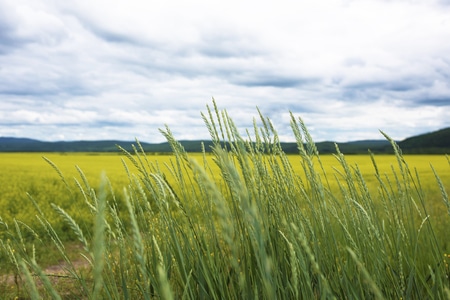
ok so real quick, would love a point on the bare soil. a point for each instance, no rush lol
(59, 274)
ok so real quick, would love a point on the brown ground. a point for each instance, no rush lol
(12, 286)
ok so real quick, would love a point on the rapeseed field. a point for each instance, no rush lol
(26, 175)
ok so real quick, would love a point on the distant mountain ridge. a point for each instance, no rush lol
(437, 142)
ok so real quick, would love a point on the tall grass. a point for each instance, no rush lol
(254, 230)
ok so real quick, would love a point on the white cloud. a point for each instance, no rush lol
(348, 68)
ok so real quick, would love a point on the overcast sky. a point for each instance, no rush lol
(84, 70)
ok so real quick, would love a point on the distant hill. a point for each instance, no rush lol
(433, 142)
(356, 147)
(8, 144)
(436, 142)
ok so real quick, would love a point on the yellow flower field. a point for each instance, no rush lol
(30, 173)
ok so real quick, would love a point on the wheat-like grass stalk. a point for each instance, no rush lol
(98, 240)
(73, 225)
(30, 282)
(58, 171)
(443, 191)
(367, 277)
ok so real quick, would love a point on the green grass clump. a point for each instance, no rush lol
(248, 228)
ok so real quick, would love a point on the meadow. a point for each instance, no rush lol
(246, 221)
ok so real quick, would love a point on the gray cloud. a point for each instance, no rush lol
(434, 101)
(257, 80)
(8, 41)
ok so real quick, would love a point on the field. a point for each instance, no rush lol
(246, 221)
(26, 175)
(30, 173)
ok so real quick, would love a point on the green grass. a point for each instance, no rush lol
(252, 225)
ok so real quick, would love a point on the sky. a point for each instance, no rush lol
(97, 70)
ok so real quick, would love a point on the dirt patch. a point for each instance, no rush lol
(59, 274)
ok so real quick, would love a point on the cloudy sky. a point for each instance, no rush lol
(116, 69)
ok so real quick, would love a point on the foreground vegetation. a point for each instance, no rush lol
(246, 222)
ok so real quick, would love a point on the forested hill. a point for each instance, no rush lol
(434, 142)
(437, 142)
